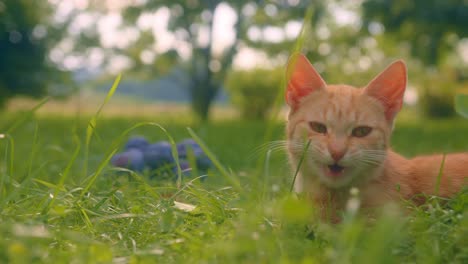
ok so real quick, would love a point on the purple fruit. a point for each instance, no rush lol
(158, 154)
(131, 159)
(137, 142)
(186, 145)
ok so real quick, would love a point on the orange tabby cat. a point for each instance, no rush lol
(349, 131)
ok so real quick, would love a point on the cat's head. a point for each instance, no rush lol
(348, 128)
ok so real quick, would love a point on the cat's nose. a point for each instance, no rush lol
(337, 149)
(337, 155)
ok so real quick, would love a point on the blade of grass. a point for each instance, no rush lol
(65, 173)
(88, 222)
(142, 180)
(187, 185)
(26, 115)
(266, 173)
(10, 163)
(93, 122)
(48, 184)
(439, 176)
(14, 194)
(229, 176)
(103, 200)
(100, 168)
(281, 90)
(299, 165)
(33, 151)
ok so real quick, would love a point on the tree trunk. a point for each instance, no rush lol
(204, 88)
(203, 95)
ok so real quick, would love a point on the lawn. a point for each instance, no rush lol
(57, 206)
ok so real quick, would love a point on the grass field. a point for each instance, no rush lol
(56, 206)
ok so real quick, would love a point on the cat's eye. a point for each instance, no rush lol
(318, 127)
(361, 131)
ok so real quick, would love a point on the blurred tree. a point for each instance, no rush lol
(192, 23)
(433, 29)
(25, 39)
(254, 91)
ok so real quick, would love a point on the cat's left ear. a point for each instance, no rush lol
(389, 87)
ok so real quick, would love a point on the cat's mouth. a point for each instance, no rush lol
(335, 170)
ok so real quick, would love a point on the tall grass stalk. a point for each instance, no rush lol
(93, 122)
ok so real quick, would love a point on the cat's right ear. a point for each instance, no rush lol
(302, 79)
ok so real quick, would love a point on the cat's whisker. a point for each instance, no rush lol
(369, 161)
(259, 153)
(269, 146)
(376, 155)
(371, 157)
(374, 162)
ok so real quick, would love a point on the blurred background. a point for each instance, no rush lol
(212, 58)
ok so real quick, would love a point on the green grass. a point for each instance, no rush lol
(48, 216)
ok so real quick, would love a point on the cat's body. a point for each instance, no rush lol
(349, 132)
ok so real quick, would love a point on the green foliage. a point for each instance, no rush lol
(461, 104)
(437, 94)
(25, 40)
(254, 91)
(437, 105)
(430, 26)
(431, 30)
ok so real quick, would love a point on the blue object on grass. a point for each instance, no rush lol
(185, 145)
(137, 142)
(131, 159)
(158, 154)
(203, 162)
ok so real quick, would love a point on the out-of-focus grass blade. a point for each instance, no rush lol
(297, 49)
(299, 165)
(102, 165)
(439, 176)
(33, 151)
(65, 173)
(25, 116)
(280, 95)
(231, 178)
(9, 172)
(14, 194)
(92, 123)
(140, 179)
(48, 184)
(11, 143)
(461, 104)
(88, 222)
